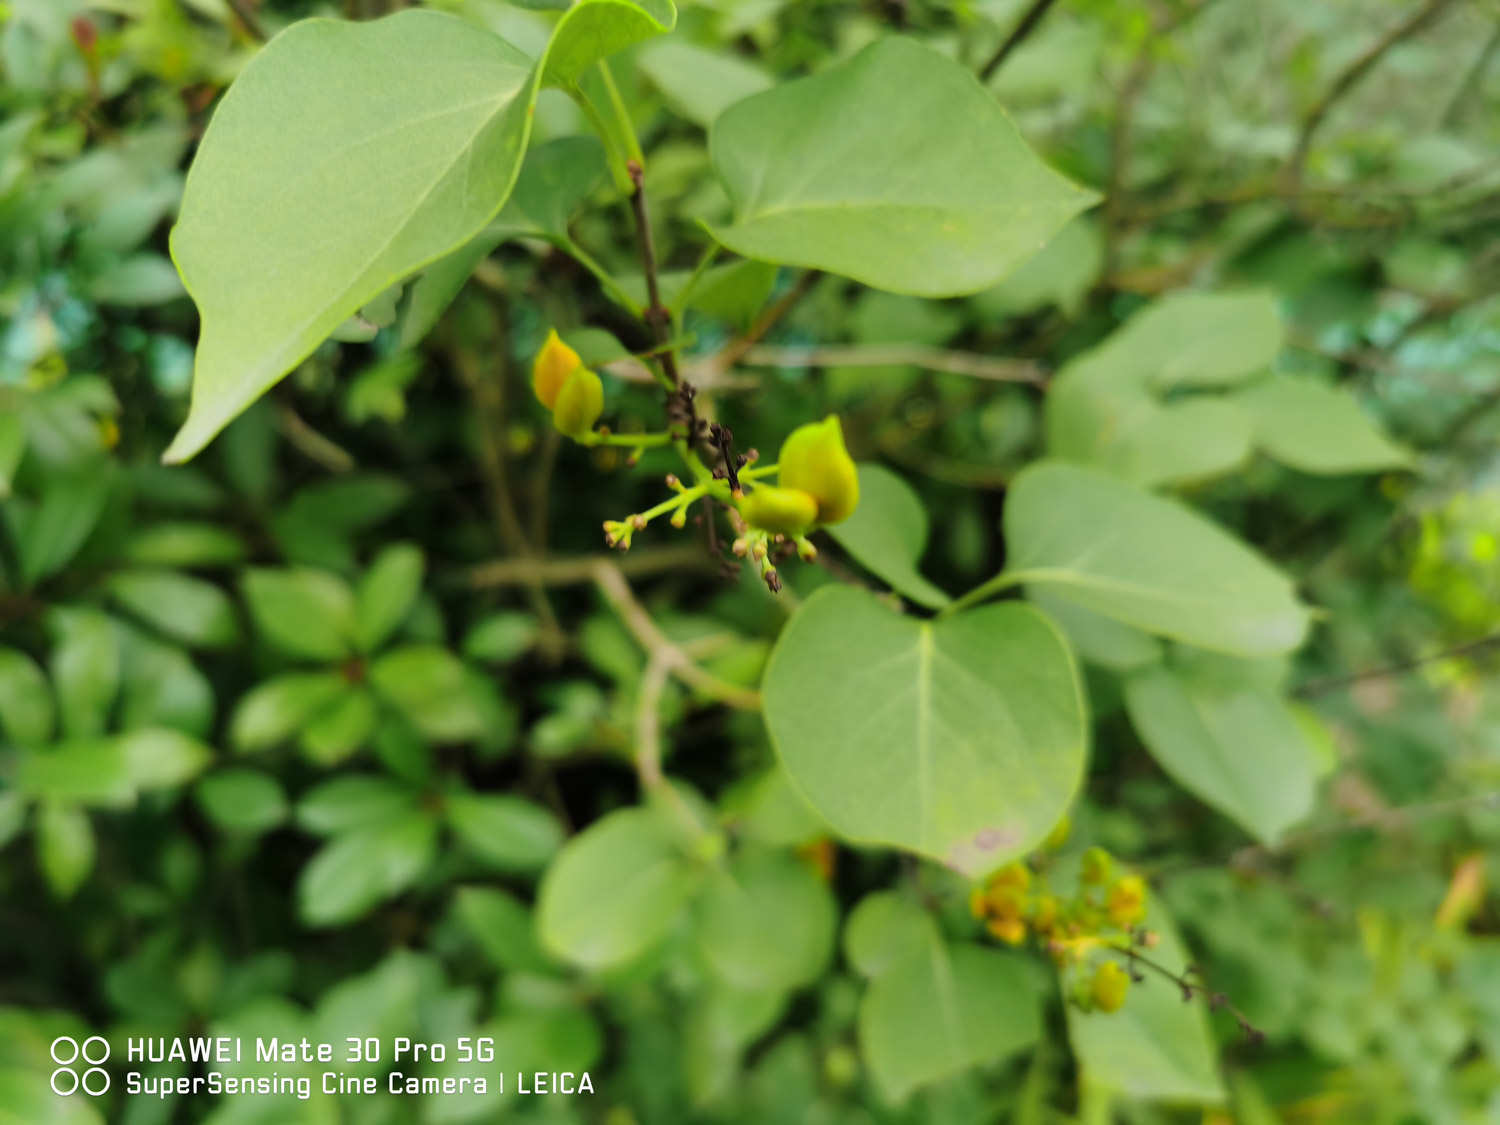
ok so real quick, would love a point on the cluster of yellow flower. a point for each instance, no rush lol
(1103, 913)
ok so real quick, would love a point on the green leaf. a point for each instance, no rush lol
(937, 195)
(732, 912)
(699, 84)
(12, 815)
(343, 727)
(141, 279)
(555, 180)
(361, 868)
(1236, 745)
(502, 927)
(89, 771)
(1153, 563)
(1134, 436)
(334, 167)
(349, 803)
(888, 533)
(273, 711)
(184, 544)
(593, 29)
(885, 929)
(1186, 340)
(303, 612)
(1156, 1046)
(1317, 429)
(501, 637)
(961, 738)
(614, 891)
(511, 833)
(943, 1010)
(386, 593)
(1098, 639)
(12, 448)
(241, 800)
(65, 847)
(157, 758)
(428, 685)
(49, 535)
(186, 609)
(27, 715)
(162, 687)
(85, 669)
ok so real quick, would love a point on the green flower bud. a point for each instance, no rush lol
(1109, 986)
(579, 403)
(784, 511)
(814, 460)
(551, 368)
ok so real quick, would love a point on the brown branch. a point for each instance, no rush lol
(736, 349)
(656, 314)
(1024, 27)
(246, 15)
(616, 590)
(978, 366)
(1185, 981)
(1319, 687)
(1346, 80)
(584, 568)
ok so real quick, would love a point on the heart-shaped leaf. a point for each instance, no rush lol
(887, 532)
(1147, 561)
(895, 168)
(960, 738)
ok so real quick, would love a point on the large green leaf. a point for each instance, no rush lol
(1237, 745)
(1316, 428)
(960, 738)
(894, 168)
(1150, 562)
(336, 166)
(888, 533)
(699, 83)
(1106, 406)
(186, 609)
(942, 1010)
(738, 899)
(614, 891)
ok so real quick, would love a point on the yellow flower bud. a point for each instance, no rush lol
(1096, 866)
(579, 403)
(1044, 914)
(551, 368)
(1012, 931)
(1127, 901)
(786, 511)
(978, 905)
(1014, 875)
(814, 459)
(1058, 836)
(1109, 987)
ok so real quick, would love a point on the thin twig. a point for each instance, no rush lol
(616, 590)
(246, 15)
(1331, 683)
(769, 319)
(656, 314)
(310, 443)
(1190, 987)
(576, 571)
(1471, 80)
(1346, 80)
(1024, 27)
(998, 370)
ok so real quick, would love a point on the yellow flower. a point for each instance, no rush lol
(551, 368)
(1012, 931)
(814, 460)
(1109, 987)
(785, 511)
(1127, 901)
(579, 403)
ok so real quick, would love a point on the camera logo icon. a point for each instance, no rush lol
(66, 1052)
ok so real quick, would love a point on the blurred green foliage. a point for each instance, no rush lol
(291, 737)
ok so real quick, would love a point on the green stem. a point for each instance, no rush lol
(710, 252)
(617, 162)
(1002, 581)
(622, 115)
(611, 286)
(633, 441)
